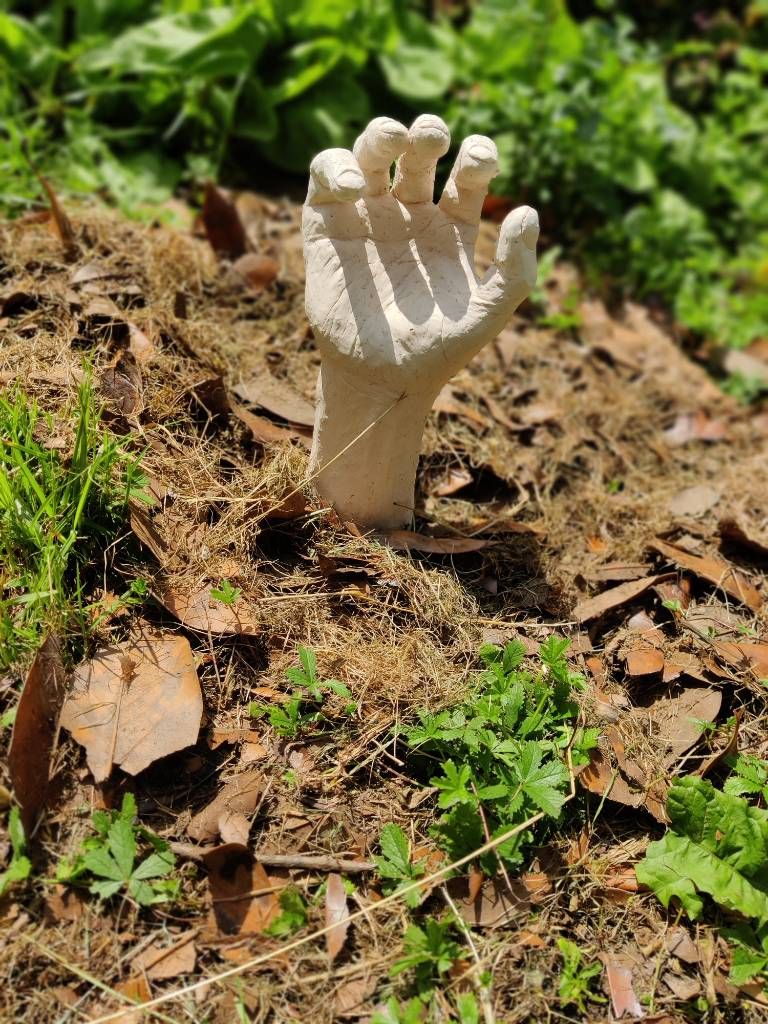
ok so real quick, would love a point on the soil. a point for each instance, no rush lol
(584, 448)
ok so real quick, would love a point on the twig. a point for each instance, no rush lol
(305, 861)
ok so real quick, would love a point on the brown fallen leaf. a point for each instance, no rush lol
(134, 703)
(34, 730)
(277, 397)
(681, 986)
(223, 226)
(204, 614)
(599, 778)
(257, 270)
(146, 531)
(595, 607)
(694, 501)
(456, 479)
(680, 944)
(243, 896)
(234, 827)
(138, 991)
(240, 795)
(644, 661)
(695, 426)
(59, 220)
(495, 904)
(735, 532)
(720, 573)
(623, 998)
(64, 903)
(348, 999)
(157, 961)
(618, 572)
(264, 431)
(407, 540)
(447, 404)
(140, 345)
(747, 364)
(676, 718)
(336, 915)
(121, 384)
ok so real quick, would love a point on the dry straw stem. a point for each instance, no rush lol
(394, 897)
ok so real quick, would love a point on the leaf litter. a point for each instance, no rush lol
(533, 476)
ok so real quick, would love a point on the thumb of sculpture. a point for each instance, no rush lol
(395, 303)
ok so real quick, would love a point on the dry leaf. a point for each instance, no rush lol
(257, 270)
(138, 991)
(595, 607)
(447, 404)
(644, 661)
(204, 614)
(720, 573)
(140, 345)
(135, 703)
(407, 540)
(64, 903)
(746, 364)
(680, 944)
(223, 227)
(243, 896)
(599, 778)
(495, 904)
(336, 914)
(157, 961)
(146, 531)
(623, 998)
(121, 384)
(618, 572)
(60, 221)
(234, 827)
(682, 987)
(34, 730)
(677, 718)
(264, 431)
(696, 426)
(733, 531)
(241, 794)
(349, 997)
(276, 397)
(456, 479)
(694, 501)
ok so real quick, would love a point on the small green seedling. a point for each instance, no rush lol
(226, 593)
(576, 978)
(110, 862)
(303, 707)
(20, 867)
(293, 914)
(750, 776)
(430, 952)
(395, 865)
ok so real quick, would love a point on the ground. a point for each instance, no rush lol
(581, 454)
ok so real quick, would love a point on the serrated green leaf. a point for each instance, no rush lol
(395, 849)
(156, 865)
(308, 661)
(104, 889)
(746, 964)
(121, 843)
(101, 863)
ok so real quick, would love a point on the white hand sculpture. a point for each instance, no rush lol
(395, 303)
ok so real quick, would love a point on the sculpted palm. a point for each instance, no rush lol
(395, 303)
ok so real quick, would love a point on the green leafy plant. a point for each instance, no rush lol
(20, 866)
(305, 705)
(501, 753)
(395, 865)
(750, 777)
(112, 862)
(576, 977)
(55, 515)
(293, 914)
(717, 844)
(430, 952)
(226, 593)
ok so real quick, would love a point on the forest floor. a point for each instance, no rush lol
(585, 478)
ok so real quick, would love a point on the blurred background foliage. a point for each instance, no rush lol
(639, 131)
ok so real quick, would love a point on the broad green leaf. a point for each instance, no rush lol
(121, 843)
(308, 660)
(717, 844)
(104, 889)
(417, 72)
(156, 865)
(395, 849)
(100, 862)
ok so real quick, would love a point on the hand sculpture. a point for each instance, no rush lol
(395, 303)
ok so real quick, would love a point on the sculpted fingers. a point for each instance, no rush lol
(334, 177)
(476, 164)
(428, 140)
(381, 143)
(516, 249)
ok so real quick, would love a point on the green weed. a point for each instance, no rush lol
(112, 862)
(57, 515)
(395, 865)
(20, 866)
(576, 978)
(501, 754)
(304, 707)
